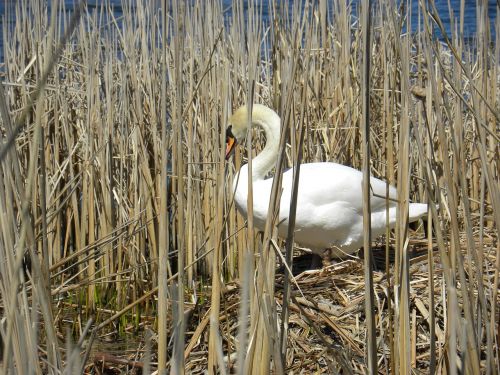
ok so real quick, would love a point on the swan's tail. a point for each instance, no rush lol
(417, 210)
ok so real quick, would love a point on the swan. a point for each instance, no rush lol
(329, 216)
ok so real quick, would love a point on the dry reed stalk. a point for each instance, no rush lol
(245, 40)
(163, 249)
(401, 268)
(256, 355)
(371, 341)
(177, 121)
(297, 152)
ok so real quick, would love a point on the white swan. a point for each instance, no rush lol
(329, 204)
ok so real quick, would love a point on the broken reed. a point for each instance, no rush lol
(120, 163)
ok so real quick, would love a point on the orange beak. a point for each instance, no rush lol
(230, 146)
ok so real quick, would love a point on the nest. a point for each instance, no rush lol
(327, 332)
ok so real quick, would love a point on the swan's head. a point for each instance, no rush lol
(236, 129)
(237, 126)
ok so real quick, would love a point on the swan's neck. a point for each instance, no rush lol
(268, 120)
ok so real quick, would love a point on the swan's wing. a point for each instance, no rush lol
(322, 184)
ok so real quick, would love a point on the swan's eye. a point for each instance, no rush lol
(230, 142)
(229, 133)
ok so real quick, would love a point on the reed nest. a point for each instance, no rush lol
(121, 249)
(326, 330)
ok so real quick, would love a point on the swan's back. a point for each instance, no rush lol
(323, 183)
(329, 206)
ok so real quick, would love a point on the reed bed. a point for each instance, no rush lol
(121, 249)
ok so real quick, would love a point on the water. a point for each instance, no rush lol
(470, 22)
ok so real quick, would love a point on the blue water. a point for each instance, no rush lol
(470, 22)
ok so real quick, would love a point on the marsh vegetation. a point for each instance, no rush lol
(120, 247)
